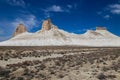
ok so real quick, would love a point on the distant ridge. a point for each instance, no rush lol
(51, 35)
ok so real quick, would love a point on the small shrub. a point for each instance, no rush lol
(101, 76)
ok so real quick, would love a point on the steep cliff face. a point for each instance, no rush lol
(101, 28)
(47, 25)
(20, 29)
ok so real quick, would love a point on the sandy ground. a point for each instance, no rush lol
(67, 67)
(13, 61)
(16, 60)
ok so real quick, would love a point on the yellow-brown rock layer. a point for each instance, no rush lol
(20, 29)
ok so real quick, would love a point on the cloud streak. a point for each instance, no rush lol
(107, 16)
(110, 9)
(69, 6)
(114, 8)
(55, 8)
(8, 27)
(20, 3)
(30, 21)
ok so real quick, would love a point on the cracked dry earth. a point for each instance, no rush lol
(59, 63)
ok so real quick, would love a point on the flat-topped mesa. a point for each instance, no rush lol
(47, 25)
(20, 29)
(101, 28)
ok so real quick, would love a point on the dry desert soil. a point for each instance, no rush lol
(59, 63)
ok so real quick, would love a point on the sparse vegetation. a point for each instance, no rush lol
(96, 63)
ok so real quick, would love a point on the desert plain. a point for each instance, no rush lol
(59, 63)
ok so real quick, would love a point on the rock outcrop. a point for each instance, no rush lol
(47, 25)
(101, 28)
(20, 29)
(57, 37)
(91, 32)
(107, 34)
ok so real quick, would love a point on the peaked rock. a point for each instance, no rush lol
(20, 29)
(47, 25)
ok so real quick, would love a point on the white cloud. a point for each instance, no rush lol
(47, 15)
(74, 6)
(29, 21)
(54, 8)
(69, 6)
(114, 8)
(8, 27)
(16, 3)
(107, 16)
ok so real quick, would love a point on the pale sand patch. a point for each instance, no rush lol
(16, 60)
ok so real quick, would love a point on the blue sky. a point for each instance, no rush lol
(74, 16)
